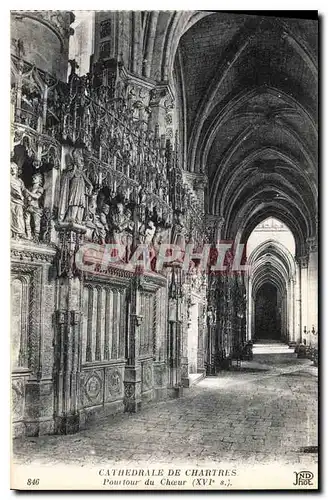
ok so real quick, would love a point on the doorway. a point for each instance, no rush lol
(267, 315)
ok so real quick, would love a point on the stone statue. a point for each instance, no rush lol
(92, 206)
(161, 236)
(122, 227)
(178, 233)
(149, 233)
(33, 209)
(17, 190)
(101, 222)
(73, 190)
(74, 67)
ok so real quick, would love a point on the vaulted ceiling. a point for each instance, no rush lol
(250, 94)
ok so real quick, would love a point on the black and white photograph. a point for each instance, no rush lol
(164, 230)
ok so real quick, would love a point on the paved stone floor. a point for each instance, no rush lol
(265, 411)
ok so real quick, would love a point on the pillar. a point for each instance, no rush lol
(67, 362)
(291, 310)
(312, 303)
(132, 374)
(250, 331)
(174, 333)
(298, 303)
(214, 334)
(303, 263)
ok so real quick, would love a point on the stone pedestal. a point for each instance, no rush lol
(184, 372)
(175, 392)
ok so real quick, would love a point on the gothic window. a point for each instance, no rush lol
(105, 49)
(106, 28)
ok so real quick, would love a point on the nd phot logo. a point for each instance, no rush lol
(303, 478)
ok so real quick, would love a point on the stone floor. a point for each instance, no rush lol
(263, 412)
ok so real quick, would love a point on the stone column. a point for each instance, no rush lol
(303, 262)
(201, 327)
(249, 309)
(253, 314)
(289, 311)
(160, 363)
(292, 311)
(174, 339)
(186, 321)
(214, 224)
(298, 303)
(312, 303)
(132, 376)
(68, 334)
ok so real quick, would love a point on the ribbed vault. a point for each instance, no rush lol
(248, 87)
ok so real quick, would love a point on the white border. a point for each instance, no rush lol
(321, 6)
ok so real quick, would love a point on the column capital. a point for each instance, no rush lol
(215, 220)
(303, 261)
(214, 224)
(312, 244)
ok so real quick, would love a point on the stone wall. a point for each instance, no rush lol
(94, 161)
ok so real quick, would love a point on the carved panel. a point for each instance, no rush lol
(147, 311)
(146, 377)
(129, 390)
(26, 315)
(93, 388)
(114, 383)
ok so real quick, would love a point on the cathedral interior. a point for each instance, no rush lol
(152, 128)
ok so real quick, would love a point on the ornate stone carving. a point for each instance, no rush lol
(114, 382)
(73, 190)
(18, 394)
(70, 239)
(17, 190)
(26, 205)
(33, 211)
(312, 244)
(129, 390)
(101, 226)
(303, 261)
(93, 387)
(147, 379)
(122, 226)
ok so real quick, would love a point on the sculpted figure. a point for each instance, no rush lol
(150, 233)
(147, 233)
(33, 209)
(122, 227)
(74, 183)
(178, 236)
(102, 227)
(17, 190)
(92, 208)
(162, 235)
